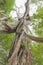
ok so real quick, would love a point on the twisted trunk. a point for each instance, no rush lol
(20, 54)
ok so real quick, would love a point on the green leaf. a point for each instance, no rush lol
(7, 5)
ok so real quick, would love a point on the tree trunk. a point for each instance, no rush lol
(20, 54)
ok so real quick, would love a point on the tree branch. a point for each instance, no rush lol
(7, 31)
(37, 39)
(9, 27)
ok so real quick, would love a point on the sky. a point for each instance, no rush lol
(20, 4)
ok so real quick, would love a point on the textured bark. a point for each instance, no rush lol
(21, 54)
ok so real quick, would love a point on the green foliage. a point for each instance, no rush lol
(6, 5)
(38, 22)
(39, 14)
(38, 27)
(3, 57)
(37, 50)
(5, 40)
(35, 1)
(5, 44)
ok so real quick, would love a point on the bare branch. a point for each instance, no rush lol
(27, 8)
(7, 29)
(37, 39)
(26, 14)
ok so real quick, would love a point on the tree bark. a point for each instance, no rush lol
(20, 54)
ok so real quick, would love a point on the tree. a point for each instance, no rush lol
(20, 54)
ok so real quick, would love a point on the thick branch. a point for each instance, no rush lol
(9, 27)
(6, 31)
(37, 39)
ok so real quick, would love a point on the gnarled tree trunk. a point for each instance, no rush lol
(20, 54)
